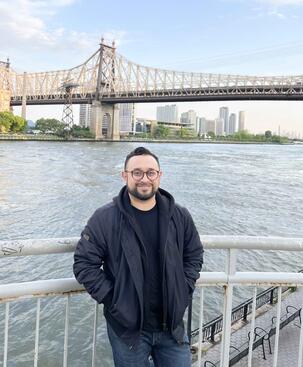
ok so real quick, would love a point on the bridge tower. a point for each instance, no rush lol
(5, 94)
(68, 117)
(105, 79)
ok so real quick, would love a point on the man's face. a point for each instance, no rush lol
(142, 188)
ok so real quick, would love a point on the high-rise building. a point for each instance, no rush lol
(205, 126)
(188, 119)
(85, 115)
(167, 114)
(201, 125)
(126, 117)
(224, 114)
(219, 126)
(241, 120)
(211, 126)
(232, 124)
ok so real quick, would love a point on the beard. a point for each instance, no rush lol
(134, 192)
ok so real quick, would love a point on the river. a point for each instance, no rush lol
(50, 189)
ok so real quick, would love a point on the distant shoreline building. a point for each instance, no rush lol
(241, 121)
(189, 120)
(219, 126)
(232, 124)
(224, 115)
(167, 114)
(126, 117)
(85, 115)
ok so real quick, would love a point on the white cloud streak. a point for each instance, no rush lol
(25, 25)
(281, 2)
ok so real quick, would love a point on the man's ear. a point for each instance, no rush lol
(124, 176)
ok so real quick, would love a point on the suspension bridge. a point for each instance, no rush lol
(107, 79)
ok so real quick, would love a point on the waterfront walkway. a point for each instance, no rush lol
(288, 341)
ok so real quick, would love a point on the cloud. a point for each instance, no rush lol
(26, 27)
(231, 59)
(277, 14)
(281, 2)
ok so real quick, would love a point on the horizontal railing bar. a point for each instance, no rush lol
(37, 246)
(61, 245)
(250, 278)
(41, 288)
(52, 287)
(253, 243)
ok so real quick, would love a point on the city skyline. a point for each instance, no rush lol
(257, 118)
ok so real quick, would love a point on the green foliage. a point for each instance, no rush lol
(244, 135)
(185, 133)
(52, 126)
(268, 134)
(161, 131)
(211, 134)
(81, 132)
(56, 127)
(11, 123)
(19, 124)
(279, 139)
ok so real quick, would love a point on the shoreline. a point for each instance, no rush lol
(135, 140)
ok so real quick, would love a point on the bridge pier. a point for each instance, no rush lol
(101, 111)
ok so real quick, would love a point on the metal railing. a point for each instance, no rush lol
(227, 280)
(240, 312)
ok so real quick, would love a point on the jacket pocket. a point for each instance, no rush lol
(125, 308)
(181, 297)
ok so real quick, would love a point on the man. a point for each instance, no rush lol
(140, 256)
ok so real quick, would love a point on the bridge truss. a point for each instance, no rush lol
(109, 77)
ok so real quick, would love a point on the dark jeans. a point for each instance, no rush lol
(160, 346)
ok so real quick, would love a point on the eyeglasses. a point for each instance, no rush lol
(138, 174)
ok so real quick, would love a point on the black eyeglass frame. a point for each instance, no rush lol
(143, 173)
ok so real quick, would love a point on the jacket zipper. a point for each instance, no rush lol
(164, 291)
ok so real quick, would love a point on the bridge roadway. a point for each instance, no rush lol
(288, 340)
(191, 95)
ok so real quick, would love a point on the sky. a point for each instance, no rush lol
(248, 37)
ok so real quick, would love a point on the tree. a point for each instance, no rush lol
(243, 135)
(268, 134)
(53, 126)
(211, 134)
(11, 123)
(184, 133)
(161, 131)
(81, 132)
(6, 120)
(18, 125)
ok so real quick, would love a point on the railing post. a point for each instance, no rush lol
(228, 297)
(271, 300)
(65, 347)
(6, 334)
(213, 331)
(200, 326)
(189, 318)
(37, 333)
(95, 335)
(245, 311)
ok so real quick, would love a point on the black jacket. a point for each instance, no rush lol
(110, 259)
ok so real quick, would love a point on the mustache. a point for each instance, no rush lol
(144, 185)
